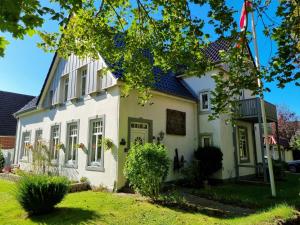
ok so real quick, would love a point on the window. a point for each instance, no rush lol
(206, 141)
(72, 141)
(83, 82)
(243, 144)
(66, 88)
(25, 146)
(38, 139)
(96, 142)
(204, 101)
(54, 141)
(242, 94)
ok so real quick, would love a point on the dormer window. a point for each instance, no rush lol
(83, 74)
(66, 88)
(204, 101)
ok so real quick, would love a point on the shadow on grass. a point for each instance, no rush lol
(66, 216)
(216, 212)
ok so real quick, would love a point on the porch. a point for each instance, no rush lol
(249, 110)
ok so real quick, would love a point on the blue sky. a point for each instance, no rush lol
(24, 67)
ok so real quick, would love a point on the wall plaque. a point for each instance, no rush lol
(176, 122)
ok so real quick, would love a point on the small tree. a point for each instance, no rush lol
(41, 159)
(146, 168)
(295, 141)
(206, 161)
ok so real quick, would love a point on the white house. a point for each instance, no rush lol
(77, 105)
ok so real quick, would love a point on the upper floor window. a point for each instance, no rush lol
(25, 146)
(54, 141)
(243, 144)
(83, 82)
(72, 141)
(65, 88)
(204, 101)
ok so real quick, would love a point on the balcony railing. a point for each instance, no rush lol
(250, 109)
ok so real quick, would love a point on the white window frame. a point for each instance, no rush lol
(24, 150)
(208, 101)
(96, 164)
(54, 141)
(72, 161)
(242, 157)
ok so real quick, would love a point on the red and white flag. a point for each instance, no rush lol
(244, 14)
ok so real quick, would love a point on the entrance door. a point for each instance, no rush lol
(139, 133)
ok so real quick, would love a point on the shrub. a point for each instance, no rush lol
(210, 160)
(146, 168)
(207, 161)
(2, 161)
(38, 194)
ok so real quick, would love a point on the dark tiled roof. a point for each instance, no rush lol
(167, 83)
(9, 104)
(29, 106)
(170, 84)
(212, 52)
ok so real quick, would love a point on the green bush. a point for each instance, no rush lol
(206, 161)
(38, 194)
(146, 168)
(210, 160)
(2, 161)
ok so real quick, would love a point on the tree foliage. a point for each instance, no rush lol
(287, 123)
(135, 36)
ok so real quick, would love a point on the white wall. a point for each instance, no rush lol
(105, 104)
(157, 113)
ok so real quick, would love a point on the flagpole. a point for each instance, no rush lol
(263, 110)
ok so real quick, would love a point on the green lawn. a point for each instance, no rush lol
(256, 196)
(107, 208)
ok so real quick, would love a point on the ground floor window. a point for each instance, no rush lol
(54, 142)
(205, 140)
(243, 144)
(38, 139)
(72, 141)
(96, 135)
(25, 146)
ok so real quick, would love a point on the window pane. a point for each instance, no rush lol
(243, 144)
(83, 81)
(206, 141)
(66, 87)
(72, 142)
(204, 101)
(54, 141)
(99, 148)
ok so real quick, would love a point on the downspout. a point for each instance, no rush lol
(118, 143)
(234, 137)
(198, 123)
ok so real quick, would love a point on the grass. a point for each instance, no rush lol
(256, 196)
(107, 208)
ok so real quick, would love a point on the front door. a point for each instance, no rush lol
(139, 133)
